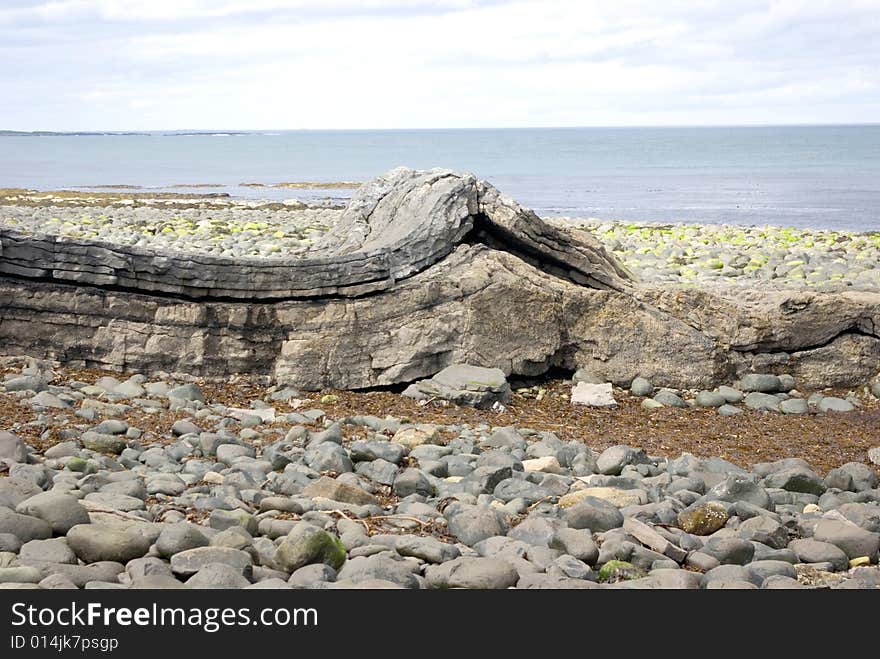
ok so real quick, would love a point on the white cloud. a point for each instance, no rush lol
(128, 64)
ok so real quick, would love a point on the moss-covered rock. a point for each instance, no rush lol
(308, 544)
(703, 520)
(614, 571)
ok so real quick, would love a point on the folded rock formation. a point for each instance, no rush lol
(424, 269)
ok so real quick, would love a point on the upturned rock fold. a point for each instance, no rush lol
(425, 269)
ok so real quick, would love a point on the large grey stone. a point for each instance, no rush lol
(80, 575)
(594, 514)
(15, 490)
(175, 538)
(61, 511)
(794, 406)
(311, 576)
(23, 527)
(93, 543)
(472, 573)
(764, 530)
(739, 487)
(669, 399)
(377, 450)
(852, 476)
(465, 384)
(328, 456)
(577, 543)
(471, 524)
(426, 548)
(52, 550)
(854, 541)
(832, 404)
(810, 550)
(796, 479)
(190, 561)
(710, 399)
(380, 566)
(762, 382)
(20, 574)
(103, 443)
(730, 551)
(412, 481)
(307, 544)
(336, 490)
(217, 576)
(762, 401)
(12, 447)
(613, 459)
(731, 576)
(641, 387)
(188, 392)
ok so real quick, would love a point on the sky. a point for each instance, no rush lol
(342, 64)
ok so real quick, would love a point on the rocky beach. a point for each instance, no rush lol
(116, 481)
(564, 471)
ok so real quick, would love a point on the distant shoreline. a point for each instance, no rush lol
(276, 131)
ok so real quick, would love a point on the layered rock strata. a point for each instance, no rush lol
(423, 270)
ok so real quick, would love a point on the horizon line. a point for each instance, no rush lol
(437, 128)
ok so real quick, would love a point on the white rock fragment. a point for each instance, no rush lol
(266, 414)
(593, 395)
(548, 464)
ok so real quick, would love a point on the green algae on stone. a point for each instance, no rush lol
(308, 544)
(614, 571)
(704, 519)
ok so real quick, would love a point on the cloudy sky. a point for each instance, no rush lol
(286, 64)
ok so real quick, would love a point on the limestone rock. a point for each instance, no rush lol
(424, 270)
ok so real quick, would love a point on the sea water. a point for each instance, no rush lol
(806, 176)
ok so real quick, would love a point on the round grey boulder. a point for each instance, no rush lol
(52, 550)
(471, 524)
(761, 382)
(854, 541)
(95, 542)
(762, 401)
(23, 527)
(669, 399)
(710, 399)
(641, 387)
(794, 406)
(810, 550)
(175, 538)
(61, 511)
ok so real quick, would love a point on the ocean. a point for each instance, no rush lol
(813, 176)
